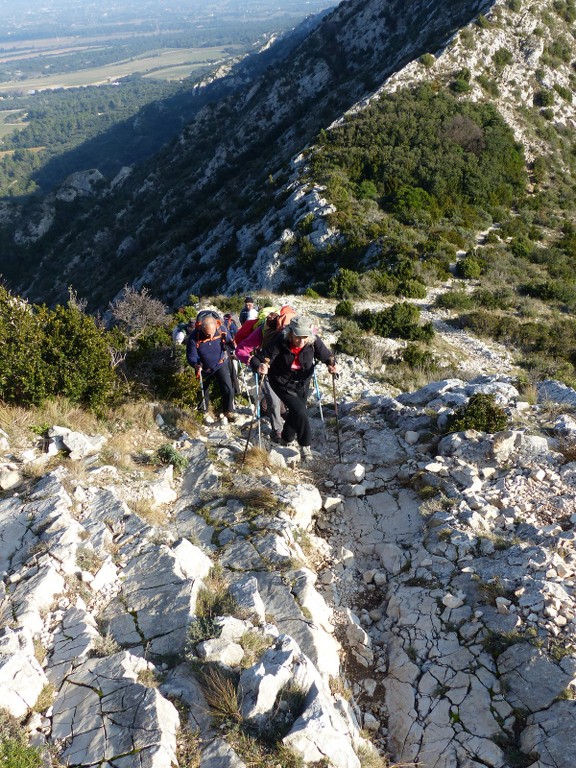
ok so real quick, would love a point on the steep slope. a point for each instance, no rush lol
(175, 222)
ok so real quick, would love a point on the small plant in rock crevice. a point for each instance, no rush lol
(15, 752)
(167, 454)
(255, 644)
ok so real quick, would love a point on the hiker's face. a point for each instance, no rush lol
(299, 341)
(248, 304)
(209, 327)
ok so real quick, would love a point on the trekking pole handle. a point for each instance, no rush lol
(264, 367)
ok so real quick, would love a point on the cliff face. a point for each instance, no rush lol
(174, 222)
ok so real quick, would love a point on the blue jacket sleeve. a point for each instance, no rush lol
(191, 351)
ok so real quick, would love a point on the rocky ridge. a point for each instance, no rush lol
(523, 35)
(422, 591)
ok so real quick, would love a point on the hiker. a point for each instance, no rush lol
(208, 349)
(249, 311)
(230, 324)
(273, 322)
(288, 361)
(179, 333)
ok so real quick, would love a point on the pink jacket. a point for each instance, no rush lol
(248, 345)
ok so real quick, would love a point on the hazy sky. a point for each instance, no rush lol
(20, 19)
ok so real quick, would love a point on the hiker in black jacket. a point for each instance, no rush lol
(288, 361)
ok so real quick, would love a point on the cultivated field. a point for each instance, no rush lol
(10, 121)
(162, 64)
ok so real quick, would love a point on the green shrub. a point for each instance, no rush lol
(22, 371)
(480, 413)
(398, 321)
(502, 57)
(427, 60)
(46, 352)
(521, 246)
(419, 358)
(564, 93)
(351, 340)
(345, 283)
(411, 289)
(311, 293)
(544, 98)
(77, 355)
(15, 752)
(455, 300)
(489, 85)
(469, 268)
(551, 290)
(499, 299)
(460, 86)
(344, 308)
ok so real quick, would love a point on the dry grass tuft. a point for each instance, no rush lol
(214, 598)
(147, 511)
(259, 499)
(255, 644)
(256, 459)
(222, 696)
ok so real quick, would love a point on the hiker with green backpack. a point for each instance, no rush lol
(288, 362)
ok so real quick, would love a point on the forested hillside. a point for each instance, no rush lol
(177, 222)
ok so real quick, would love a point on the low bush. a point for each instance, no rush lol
(455, 300)
(401, 320)
(344, 308)
(416, 357)
(344, 284)
(469, 268)
(480, 413)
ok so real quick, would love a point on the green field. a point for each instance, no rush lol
(162, 64)
(9, 122)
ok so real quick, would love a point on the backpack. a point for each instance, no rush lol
(283, 318)
(179, 333)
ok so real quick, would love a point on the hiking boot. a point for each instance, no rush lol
(276, 437)
(231, 417)
(306, 453)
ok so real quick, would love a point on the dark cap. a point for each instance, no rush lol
(249, 299)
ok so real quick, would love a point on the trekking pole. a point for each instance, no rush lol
(247, 443)
(258, 412)
(205, 407)
(256, 416)
(334, 377)
(246, 388)
(318, 395)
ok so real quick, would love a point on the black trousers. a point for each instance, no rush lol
(224, 379)
(296, 424)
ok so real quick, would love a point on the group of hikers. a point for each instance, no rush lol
(279, 346)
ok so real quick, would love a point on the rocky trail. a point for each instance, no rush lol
(416, 600)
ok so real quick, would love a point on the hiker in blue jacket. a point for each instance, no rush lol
(207, 349)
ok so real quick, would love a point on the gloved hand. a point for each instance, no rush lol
(198, 369)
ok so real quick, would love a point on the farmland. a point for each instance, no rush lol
(161, 64)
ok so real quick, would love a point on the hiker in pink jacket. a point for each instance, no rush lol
(262, 335)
